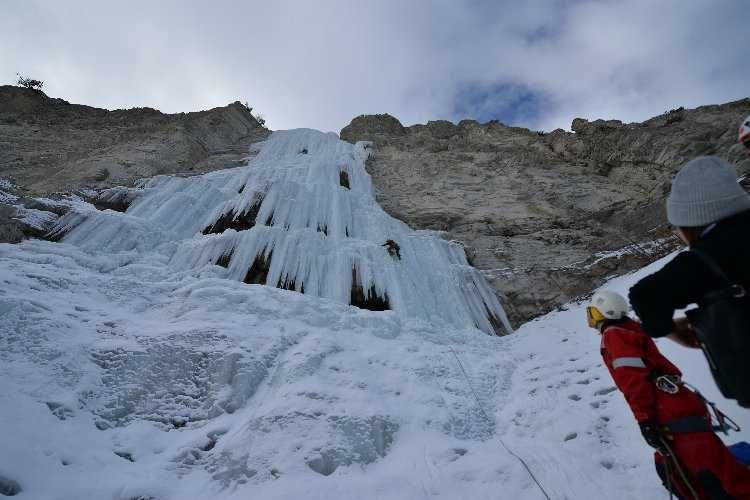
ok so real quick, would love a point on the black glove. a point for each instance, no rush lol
(652, 434)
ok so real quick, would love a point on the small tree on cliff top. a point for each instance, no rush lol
(29, 83)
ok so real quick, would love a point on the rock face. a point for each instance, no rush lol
(49, 145)
(546, 217)
(376, 127)
(11, 229)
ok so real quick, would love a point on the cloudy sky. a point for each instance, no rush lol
(319, 63)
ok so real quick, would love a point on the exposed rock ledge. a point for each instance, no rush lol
(49, 145)
(538, 211)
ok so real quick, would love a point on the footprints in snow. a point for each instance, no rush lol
(571, 436)
(574, 373)
(9, 487)
(604, 392)
(457, 453)
(124, 454)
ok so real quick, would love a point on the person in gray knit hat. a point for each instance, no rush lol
(710, 212)
(705, 191)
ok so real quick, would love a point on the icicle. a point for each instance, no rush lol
(303, 221)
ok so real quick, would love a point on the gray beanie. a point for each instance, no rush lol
(705, 190)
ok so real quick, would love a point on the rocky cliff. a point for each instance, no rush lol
(49, 145)
(546, 216)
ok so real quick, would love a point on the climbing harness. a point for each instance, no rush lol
(487, 416)
(671, 385)
(723, 421)
(689, 424)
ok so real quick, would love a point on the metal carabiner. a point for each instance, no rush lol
(665, 384)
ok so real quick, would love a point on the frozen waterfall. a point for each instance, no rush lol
(301, 215)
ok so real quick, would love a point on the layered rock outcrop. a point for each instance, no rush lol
(546, 216)
(49, 145)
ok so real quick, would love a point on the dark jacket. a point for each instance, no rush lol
(686, 278)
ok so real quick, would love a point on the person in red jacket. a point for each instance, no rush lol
(691, 460)
(744, 135)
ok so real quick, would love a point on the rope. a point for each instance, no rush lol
(683, 476)
(487, 416)
(668, 473)
(725, 424)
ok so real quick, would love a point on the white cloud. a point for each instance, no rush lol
(318, 64)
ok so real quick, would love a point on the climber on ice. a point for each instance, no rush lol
(393, 249)
(691, 460)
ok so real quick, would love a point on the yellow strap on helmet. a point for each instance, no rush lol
(595, 314)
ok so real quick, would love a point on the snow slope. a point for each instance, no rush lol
(135, 368)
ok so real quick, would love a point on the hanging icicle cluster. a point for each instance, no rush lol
(301, 216)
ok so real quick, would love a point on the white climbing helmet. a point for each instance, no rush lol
(608, 305)
(744, 136)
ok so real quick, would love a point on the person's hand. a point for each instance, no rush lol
(685, 339)
(652, 434)
(684, 334)
(681, 325)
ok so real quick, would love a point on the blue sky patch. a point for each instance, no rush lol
(508, 103)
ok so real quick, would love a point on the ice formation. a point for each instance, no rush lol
(126, 379)
(133, 368)
(302, 216)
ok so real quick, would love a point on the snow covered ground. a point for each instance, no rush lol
(135, 368)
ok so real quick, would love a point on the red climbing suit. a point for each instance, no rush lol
(635, 363)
